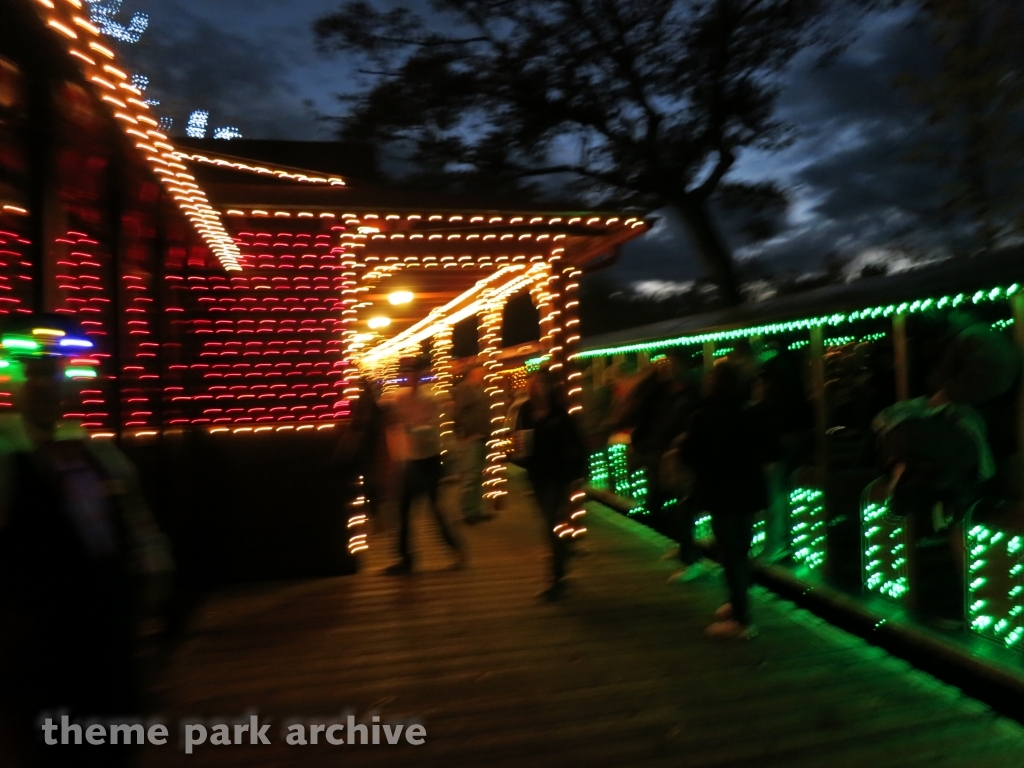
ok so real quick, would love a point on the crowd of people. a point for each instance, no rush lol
(716, 443)
(711, 444)
(548, 445)
(82, 560)
(729, 446)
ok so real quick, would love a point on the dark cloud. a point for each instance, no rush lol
(850, 174)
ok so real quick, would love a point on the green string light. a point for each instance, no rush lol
(834, 320)
(995, 584)
(807, 530)
(534, 363)
(885, 552)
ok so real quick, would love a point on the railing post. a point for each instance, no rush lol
(900, 362)
(569, 303)
(441, 365)
(490, 347)
(817, 348)
(1017, 305)
(540, 295)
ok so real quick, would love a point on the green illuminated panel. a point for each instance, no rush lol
(885, 552)
(759, 537)
(807, 526)
(638, 492)
(618, 470)
(599, 474)
(609, 470)
(835, 320)
(995, 585)
(702, 528)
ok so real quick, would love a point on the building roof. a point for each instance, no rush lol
(966, 276)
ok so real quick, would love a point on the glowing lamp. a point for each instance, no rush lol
(400, 297)
(377, 322)
(55, 333)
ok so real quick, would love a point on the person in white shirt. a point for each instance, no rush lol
(417, 415)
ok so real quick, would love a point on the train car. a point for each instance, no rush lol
(861, 348)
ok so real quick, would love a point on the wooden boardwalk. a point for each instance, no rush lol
(618, 674)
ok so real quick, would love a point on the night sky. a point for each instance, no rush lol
(253, 65)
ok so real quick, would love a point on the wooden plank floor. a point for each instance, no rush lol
(618, 674)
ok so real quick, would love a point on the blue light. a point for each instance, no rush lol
(80, 343)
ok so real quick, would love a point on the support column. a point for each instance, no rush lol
(555, 284)
(568, 303)
(441, 366)
(570, 306)
(490, 348)
(709, 355)
(899, 356)
(540, 294)
(1017, 305)
(817, 350)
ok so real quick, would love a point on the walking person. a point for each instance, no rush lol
(419, 419)
(778, 392)
(361, 451)
(472, 428)
(555, 458)
(729, 446)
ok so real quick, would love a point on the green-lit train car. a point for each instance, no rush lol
(864, 346)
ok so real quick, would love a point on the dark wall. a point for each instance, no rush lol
(248, 507)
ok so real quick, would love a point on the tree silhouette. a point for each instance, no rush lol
(631, 102)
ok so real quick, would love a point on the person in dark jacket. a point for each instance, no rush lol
(473, 428)
(79, 556)
(729, 447)
(361, 451)
(779, 393)
(555, 459)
